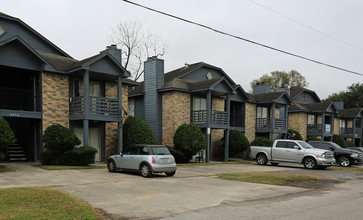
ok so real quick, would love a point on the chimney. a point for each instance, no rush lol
(261, 88)
(153, 80)
(115, 53)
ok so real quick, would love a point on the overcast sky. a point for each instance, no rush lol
(82, 28)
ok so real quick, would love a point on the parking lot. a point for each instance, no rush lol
(128, 195)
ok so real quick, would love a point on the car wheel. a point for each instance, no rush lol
(344, 161)
(261, 159)
(170, 173)
(111, 166)
(274, 164)
(309, 163)
(145, 170)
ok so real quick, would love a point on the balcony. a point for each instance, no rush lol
(17, 99)
(216, 117)
(348, 132)
(266, 124)
(318, 129)
(98, 106)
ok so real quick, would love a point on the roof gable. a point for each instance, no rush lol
(351, 113)
(14, 26)
(15, 52)
(298, 93)
(271, 97)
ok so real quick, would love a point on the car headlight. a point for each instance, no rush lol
(354, 155)
(321, 155)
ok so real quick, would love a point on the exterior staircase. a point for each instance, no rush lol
(15, 152)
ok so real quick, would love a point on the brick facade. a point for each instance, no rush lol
(299, 122)
(336, 126)
(55, 99)
(175, 112)
(250, 121)
(111, 128)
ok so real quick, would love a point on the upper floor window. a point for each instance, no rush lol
(262, 112)
(1, 31)
(94, 88)
(311, 119)
(131, 107)
(199, 104)
(342, 123)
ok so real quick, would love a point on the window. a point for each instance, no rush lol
(342, 123)
(130, 150)
(131, 107)
(262, 112)
(199, 104)
(281, 144)
(1, 31)
(291, 145)
(94, 88)
(311, 119)
(160, 150)
(143, 151)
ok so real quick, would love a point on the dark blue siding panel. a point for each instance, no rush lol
(14, 54)
(139, 107)
(306, 97)
(105, 65)
(13, 28)
(201, 74)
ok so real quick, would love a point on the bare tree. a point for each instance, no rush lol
(136, 46)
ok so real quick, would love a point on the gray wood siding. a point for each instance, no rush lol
(306, 97)
(13, 28)
(201, 74)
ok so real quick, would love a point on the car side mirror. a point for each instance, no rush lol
(297, 147)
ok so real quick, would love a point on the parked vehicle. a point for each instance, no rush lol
(146, 159)
(293, 151)
(345, 157)
(360, 149)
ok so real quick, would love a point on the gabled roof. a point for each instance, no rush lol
(351, 113)
(269, 97)
(3, 15)
(60, 63)
(173, 80)
(311, 107)
(21, 41)
(297, 90)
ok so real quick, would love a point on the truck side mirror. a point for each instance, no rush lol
(297, 147)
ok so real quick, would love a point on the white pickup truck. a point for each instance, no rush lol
(293, 151)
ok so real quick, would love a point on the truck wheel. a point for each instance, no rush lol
(309, 163)
(344, 161)
(261, 159)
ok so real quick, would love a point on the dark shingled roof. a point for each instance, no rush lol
(304, 106)
(350, 112)
(172, 80)
(296, 90)
(60, 63)
(266, 97)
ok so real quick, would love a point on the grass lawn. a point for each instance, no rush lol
(61, 167)
(351, 169)
(274, 178)
(3, 168)
(44, 203)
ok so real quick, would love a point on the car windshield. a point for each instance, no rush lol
(160, 150)
(335, 145)
(305, 145)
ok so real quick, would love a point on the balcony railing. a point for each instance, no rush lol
(97, 105)
(349, 131)
(216, 117)
(266, 123)
(17, 99)
(319, 128)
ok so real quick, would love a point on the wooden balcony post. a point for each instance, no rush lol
(226, 145)
(119, 99)
(85, 106)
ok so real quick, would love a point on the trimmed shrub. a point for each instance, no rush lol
(178, 155)
(6, 134)
(349, 143)
(238, 142)
(293, 135)
(339, 140)
(261, 141)
(81, 156)
(52, 158)
(59, 139)
(313, 138)
(189, 139)
(137, 131)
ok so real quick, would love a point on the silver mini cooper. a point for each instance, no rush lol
(143, 158)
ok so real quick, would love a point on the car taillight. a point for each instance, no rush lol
(153, 159)
(173, 159)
